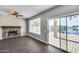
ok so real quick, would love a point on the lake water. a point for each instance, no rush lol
(69, 31)
(73, 32)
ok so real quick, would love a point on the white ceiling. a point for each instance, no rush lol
(26, 10)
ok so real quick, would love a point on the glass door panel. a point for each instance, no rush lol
(53, 32)
(57, 28)
(63, 33)
(73, 33)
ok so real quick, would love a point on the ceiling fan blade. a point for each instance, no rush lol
(20, 15)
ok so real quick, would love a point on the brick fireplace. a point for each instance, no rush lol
(10, 31)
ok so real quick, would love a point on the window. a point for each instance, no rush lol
(73, 28)
(73, 33)
(35, 26)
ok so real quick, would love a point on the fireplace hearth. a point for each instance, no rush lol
(10, 31)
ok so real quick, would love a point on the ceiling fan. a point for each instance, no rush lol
(11, 12)
(15, 13)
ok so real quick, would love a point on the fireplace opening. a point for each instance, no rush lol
(11, 33)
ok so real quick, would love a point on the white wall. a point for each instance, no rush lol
(22, 23)
(9, 21)
(62, 10)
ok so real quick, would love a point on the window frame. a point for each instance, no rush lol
(39, 26)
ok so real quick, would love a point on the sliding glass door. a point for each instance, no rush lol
(58, 32)
(63, 35)
(53, 35)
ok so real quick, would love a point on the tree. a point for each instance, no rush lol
(35, 23)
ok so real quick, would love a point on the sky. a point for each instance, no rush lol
(73, 21)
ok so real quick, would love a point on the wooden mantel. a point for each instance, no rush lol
(10, 26)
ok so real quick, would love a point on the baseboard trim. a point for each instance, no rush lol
(37, 39)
